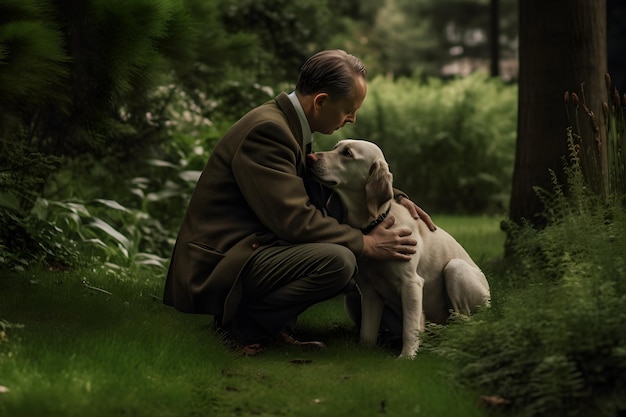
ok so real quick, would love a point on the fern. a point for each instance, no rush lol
(554, 341)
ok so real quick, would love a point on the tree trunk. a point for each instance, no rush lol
(494, 36)
(562, 45)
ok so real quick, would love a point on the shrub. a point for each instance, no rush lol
(450, 144)
(81, 92)
(554, 341)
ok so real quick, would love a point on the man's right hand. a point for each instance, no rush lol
(386, 244)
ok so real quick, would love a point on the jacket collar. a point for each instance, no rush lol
(307, 135)
(286, 106)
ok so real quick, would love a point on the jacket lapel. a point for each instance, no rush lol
(283, 102)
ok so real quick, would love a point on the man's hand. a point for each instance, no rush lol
(417, 212)
(385, 244)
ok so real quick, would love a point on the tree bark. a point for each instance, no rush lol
(494, 35)
(562, 45)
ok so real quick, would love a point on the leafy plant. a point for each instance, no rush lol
(601, 153)
(554, 341)
(66, 234)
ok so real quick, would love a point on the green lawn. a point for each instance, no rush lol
(90, 343)
(480, 235)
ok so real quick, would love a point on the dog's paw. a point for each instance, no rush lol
(407, 356)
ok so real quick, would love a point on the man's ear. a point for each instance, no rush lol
(319, 100)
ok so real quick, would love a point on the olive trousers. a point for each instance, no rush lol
(281, 282)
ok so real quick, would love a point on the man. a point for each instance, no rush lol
(256, 246)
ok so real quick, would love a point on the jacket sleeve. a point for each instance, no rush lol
(267, 168)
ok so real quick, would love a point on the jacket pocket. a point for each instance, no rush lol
(204, 258)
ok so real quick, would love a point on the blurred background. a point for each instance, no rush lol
(110, 109)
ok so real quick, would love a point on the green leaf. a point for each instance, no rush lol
(161, 163)
(8, 200)
(190, 176)
(111, 232)
(112, 204)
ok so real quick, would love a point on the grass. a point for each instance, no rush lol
(480, 235)
(85, 342)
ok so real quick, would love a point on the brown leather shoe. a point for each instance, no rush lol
(290, 340)
(250, 350)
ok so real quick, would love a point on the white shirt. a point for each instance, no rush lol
(307, 135)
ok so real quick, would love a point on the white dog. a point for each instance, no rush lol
(441, 275)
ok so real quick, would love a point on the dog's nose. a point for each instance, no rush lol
(311, 158)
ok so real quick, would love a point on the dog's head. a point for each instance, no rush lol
(356, 170)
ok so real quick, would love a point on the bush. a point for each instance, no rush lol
(89, 89)
(450, 144)
(554, 341)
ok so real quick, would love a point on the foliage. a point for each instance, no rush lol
(72, 233)
(404, 38)
(126, 224)
(32, 53)
(105, 100)
(280, 29)
(601, 153)
(89, 88)
(450, 144)
(157, 193)
(554, 341)
(110, 58)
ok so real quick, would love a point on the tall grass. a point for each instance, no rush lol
(600, 148)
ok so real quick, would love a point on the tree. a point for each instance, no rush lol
(81, 82)
(616, 28)
(286, 38)
(433, 36)
(78, 78)
(494, 37)
(562, 47)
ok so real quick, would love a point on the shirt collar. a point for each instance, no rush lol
(307, 135)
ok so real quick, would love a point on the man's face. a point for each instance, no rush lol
(331, 115)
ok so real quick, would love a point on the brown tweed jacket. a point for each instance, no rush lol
(250, 194)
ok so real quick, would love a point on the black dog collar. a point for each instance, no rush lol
(376, 222)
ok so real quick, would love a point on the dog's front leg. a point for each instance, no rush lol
(371, 313)
(412, 316)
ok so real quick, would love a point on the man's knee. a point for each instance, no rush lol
(344, 261)
(338, 263)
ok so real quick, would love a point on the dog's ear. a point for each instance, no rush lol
(379, 187)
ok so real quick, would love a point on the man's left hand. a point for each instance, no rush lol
(417, 212)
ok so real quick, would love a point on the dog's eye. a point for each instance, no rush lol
(346, 152)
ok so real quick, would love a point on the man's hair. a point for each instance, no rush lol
(331, 71)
